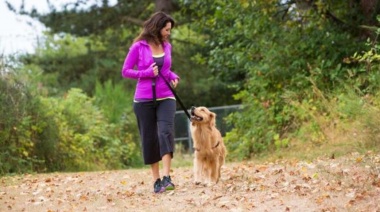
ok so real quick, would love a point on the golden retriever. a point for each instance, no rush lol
(209, 149)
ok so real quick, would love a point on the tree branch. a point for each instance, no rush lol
(132, 20)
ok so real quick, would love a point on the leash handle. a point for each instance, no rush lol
(176, 96)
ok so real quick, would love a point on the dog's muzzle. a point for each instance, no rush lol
(194, 117)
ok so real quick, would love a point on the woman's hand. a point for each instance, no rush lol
(174, 83)
(155, 69)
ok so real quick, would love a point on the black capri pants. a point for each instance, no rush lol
(156, 127)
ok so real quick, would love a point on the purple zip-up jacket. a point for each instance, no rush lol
(141, 57)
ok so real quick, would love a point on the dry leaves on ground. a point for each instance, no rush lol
(350, 183)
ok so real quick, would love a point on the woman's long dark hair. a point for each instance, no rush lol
(152, 28)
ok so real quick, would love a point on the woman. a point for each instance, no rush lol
(154, 103)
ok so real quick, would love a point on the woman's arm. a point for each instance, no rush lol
(131, 61)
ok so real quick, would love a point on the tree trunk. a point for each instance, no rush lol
(164, 6)
(369, 8)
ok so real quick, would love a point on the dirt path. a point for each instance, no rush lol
(350, 183)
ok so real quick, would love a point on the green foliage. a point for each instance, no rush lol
(275, 52)
(75, 62)
(344, 112)
(116, 105)
(28, 133)
(298, 67)
(113, 100)
(367, 76)
(87, 141)
(80, 52)
(40, 133)
(23, 127)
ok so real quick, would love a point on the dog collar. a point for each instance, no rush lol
(213, 147)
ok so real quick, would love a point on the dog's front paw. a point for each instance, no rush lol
(209, 184)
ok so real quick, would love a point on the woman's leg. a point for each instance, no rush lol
(166, 163)
(165, 120)
(147, 123)
(155, 167)
(158, 186)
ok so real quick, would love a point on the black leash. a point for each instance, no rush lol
(176, 96)
(154, 91)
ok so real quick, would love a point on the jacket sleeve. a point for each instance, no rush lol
(172, 75)
(131, 61)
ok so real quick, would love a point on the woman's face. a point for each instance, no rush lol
(165, 32)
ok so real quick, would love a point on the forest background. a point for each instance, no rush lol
(306, 73)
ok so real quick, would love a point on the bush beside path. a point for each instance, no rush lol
(348, 183)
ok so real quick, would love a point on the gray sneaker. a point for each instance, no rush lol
(167, 183)
(158, 188)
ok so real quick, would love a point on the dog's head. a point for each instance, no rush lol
(202, 115)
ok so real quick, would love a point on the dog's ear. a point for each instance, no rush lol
(212, 119)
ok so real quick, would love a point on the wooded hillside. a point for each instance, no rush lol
(305, 71)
